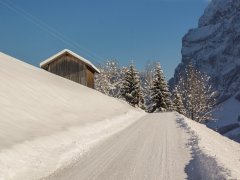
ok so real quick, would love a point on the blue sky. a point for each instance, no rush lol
(126, 30)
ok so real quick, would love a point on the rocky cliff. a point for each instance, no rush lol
(214, 47)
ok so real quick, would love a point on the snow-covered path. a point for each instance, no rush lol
(154, 147)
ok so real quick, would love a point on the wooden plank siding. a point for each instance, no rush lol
(90, 78)
(70, 67)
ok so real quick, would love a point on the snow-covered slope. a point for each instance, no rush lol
(214, 48)
(45, 120)
(209, 146)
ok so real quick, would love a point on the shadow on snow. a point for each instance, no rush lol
(201, 166)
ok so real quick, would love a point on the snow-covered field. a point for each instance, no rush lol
(47, 121)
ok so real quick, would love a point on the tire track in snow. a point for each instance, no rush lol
(151, 148)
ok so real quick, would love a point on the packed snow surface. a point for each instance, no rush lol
(48, 121)
(164, 146)
(151, 148)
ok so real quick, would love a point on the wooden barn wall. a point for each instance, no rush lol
(69, 67)
(90, 78)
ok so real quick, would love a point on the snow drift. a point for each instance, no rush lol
(48, 121)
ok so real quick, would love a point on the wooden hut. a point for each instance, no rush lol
(70, 65)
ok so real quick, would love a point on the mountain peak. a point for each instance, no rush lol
(214, 46)
(219, 10)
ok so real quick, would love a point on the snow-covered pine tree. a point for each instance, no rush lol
(197, 94)
(160, 94)
(131, 88)
(177, 102)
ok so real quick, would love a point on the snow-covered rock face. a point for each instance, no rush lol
(214, 46)
(219, 10)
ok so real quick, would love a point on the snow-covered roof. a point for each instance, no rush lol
(80, 58)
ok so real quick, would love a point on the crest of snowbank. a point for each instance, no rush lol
(225, 151)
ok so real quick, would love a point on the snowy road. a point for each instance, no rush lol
(152, 148)
(46, 126)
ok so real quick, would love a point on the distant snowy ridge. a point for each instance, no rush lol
(47, 121)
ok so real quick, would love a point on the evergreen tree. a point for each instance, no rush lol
(160, 95)
(131, 88)
(178, 103)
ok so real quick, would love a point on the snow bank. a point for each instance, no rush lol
(48, 121)
(43, 156)
(225, 151)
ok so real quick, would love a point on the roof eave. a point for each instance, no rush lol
(52, 58)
